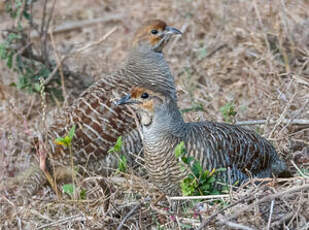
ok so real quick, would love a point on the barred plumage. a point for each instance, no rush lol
(216, 145)
(98, 121)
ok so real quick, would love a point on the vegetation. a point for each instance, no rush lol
(232, 55)
(199, 182)
(17, 51)
(122, 163)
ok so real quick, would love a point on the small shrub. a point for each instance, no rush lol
(68, 189)
(19, 56)
(199, 182)
(117, 147)
(66, 140)
(122, 162)
(228, 112)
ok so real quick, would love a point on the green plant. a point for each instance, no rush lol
(66, 141)
(228, 112)
(117, 147)
(17, 52)
(202, 53)
(122, 162)
(70, 190)
(196, 107)
(199, 181)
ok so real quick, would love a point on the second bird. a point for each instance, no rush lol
(215, 145)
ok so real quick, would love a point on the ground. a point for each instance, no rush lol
(252, 54)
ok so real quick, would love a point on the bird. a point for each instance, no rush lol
(215, 145)
(97, 120)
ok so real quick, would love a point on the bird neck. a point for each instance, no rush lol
(147, 68)
(166, 122)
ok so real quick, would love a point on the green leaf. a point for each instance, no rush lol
(61, 141)
(180, 149)
(3, 51)
(220, 169)
(67, 140)
(122, 164)
(9, 61)
(72, 132)
(82, 194)
(68, 189)
(26, 15)
(12, 84)
(117, 146)
(186, 187)
(202, 53)
(37, 87)
(228, 111)
(13, 36)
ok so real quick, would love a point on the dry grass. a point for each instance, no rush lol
(252, 53)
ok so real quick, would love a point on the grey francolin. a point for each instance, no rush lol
(98, 121)
(215, 145)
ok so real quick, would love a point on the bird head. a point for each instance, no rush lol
(155, 110)
(145, 101)
(154, 34)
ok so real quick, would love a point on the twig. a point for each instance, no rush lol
(20, 14)
(283, 121)
(270, 197)
(257, 12)
(63, 58)
(249, 198)
(131, 213)
(68, 26)
(254, 180)
(199, 197)
(55, 70)
(97, 42)
(298, 170)
(300, 111)
(7, 200)
(283, 219)
(59, 65)
(270, 214)
(43, 37)
(64, 220)
(206, 221)
(235, 225)
(285, 110)
(220, 47)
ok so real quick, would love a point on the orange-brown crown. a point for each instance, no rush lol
(137, 92)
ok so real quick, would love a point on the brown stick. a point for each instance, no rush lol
(69, 26)
(284, 121)
(270, 197)
(132, 211)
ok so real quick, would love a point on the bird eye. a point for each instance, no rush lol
(154, 31)
(145, 95)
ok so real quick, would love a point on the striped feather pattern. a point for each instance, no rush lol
(99, 122)
(216, 145)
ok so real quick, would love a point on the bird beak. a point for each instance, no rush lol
(171, 30)
(127, 100)
(124, 100)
